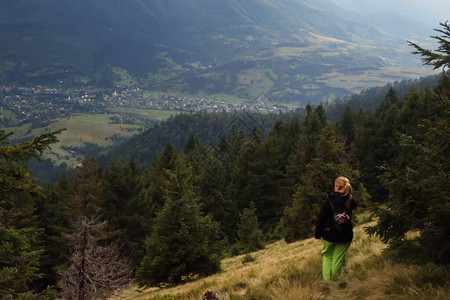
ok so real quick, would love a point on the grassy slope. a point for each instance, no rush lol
(293, 271)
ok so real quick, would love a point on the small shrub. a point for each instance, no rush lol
(431, 275)
(248, 258)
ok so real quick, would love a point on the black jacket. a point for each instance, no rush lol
(325, 227)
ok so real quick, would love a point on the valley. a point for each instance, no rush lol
(157, 149)
(101, 118)
(115, 113)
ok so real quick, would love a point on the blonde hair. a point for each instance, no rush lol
(344, 184)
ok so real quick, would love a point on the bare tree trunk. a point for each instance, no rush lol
(95, 270)
(81, 292)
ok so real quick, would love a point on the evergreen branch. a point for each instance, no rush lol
(440, 57)
(31, 148)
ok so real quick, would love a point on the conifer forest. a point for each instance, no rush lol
(172, 219)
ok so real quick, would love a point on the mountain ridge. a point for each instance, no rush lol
(286, 49)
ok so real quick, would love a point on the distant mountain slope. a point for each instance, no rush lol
(294, 50)
(431, 12)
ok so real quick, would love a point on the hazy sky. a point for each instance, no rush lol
(430, 12)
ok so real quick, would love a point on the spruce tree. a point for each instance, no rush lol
(418, 190)
(347, 125)
(277, 148)
(161, 163)
(94, 267)
(418, 178)
(55, 223)
(125, 206)
(250, 237)
(441, 56)
(213, 178)
(331, 161)
(20, 237)
(244, 184)
(365, 143)
(313, 123)
(183, 242)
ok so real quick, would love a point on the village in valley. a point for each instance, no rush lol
(40, 105)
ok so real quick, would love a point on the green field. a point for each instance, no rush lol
(83, 129)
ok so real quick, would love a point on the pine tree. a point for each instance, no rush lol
(277, 148)
(20, 236)
(390, 99)
(366, 141)
(125, 207)
(441, 56)
(376, 142)
(88, 197)
(244, 186)
(250, 237)
(418, 190)
(155, 192)
(94, 267)
(347, 125)
(313, 123)
(191, 144)
(213, 178)
(54, 221)
(418, 177)
(299, 218)
(183, 241)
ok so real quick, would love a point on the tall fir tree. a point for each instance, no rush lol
(243, 188)
(347, 125)
(313, 123)
(89, 193)
(363, 153)
(331, 161)
(183, 241)
(211, 165)
(418, 178)
(161, 163)
(21, 249)
(250, 237)
(53, 218)
(126, 209)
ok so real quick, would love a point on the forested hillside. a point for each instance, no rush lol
(174, 220)
(372, 97)
(208, 128)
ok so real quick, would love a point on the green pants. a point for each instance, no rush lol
(333, 257)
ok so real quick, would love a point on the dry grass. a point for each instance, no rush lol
(238, 278)
(293, 271)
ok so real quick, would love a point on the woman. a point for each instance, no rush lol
(335, 228)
